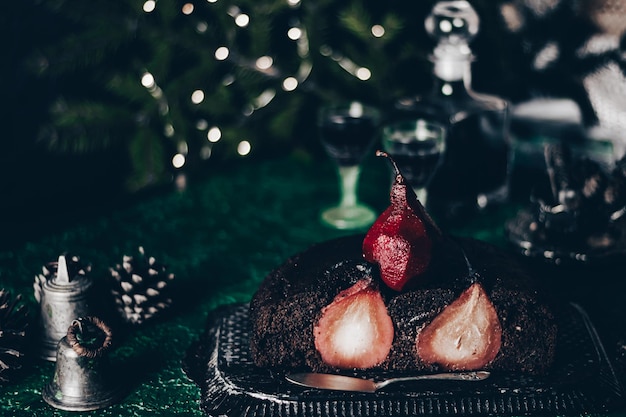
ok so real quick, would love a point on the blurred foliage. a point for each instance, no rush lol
(83, 62)
(73, 74)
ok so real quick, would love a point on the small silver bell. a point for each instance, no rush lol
(62, 298)
(83, 380)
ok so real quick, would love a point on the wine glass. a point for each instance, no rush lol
(347, 132)
(417, 147)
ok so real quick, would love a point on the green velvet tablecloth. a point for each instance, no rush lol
(221, 236)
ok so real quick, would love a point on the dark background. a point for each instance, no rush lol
(80, 137)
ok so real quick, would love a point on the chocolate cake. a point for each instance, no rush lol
(289, 303)
(402, 298)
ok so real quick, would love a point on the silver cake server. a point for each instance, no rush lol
(349, 383)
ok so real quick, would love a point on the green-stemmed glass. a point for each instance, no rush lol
(347, 132)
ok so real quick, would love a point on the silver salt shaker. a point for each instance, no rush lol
(63, 297)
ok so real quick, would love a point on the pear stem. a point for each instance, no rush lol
(393, 163)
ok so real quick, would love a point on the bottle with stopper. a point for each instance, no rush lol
(475, 170)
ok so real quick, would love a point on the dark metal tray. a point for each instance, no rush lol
(582, 380)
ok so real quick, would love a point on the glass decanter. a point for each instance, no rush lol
(475, 171)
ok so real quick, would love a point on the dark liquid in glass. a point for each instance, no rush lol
(416, 160)
(347, 139)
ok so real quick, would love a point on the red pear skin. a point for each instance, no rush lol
(466, 335)
(401, 240)
(355, 330)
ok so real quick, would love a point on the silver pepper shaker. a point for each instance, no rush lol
(62, 297)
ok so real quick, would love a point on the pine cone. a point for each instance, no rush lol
(140, 287)
(74, 265)
(13, 325)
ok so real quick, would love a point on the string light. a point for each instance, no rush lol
(202, 124)
(181, 181)
(244, 148)
(164, 108)
(228, 80)
(294, 33)
(305, 70)
(378, 31)
(242, 20)
(214, 134)
(147, 80)
(221, 53)
(290, 84)
(202, 27)
(206, 151)
(197, 97)
(264, 62)
(248, 110)
(178, 160)
(363, 74)
(149, 6)
(187, 9)
(303, 45)
(264, 98)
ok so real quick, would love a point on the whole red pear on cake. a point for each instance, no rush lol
(401, 240)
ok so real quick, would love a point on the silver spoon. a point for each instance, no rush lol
(349, 383)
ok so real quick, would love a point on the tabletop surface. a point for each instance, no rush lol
(220, 236)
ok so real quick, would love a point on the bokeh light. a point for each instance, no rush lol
(290, 84)
(221, 53)
(363, 74)
(214, 134)
(187, 8)
(178, 160)
(147, 80)
(202, 124)
(294, 33)
(197, 97)
(244, 148)
(378, 31)
(264, 62)
(242, 20)
(206, 151)
(149, 6)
